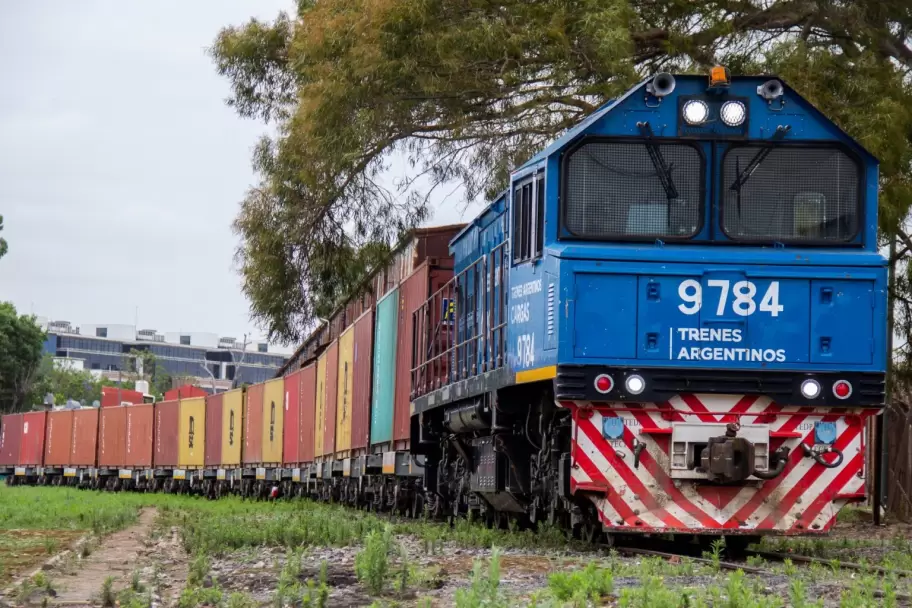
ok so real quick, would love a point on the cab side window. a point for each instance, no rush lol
(528, 218)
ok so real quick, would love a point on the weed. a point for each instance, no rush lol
(191, 597)
(789, 568)
(315, 596)
(136, 582)
(372, 563)
(485, 587)
(652, 593)
(199, 568)
(715, 553)
(756, 561)
(107, 597)
(50, 545)
(797, 593)
(591, 583)
(241, 600)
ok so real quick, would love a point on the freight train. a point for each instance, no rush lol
(672, 321)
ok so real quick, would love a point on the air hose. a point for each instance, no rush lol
(818, 456)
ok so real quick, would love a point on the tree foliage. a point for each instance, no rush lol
(463, 90)
(21, 345)
(3, 245)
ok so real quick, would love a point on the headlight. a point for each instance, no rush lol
(733, 113)
(695, 112)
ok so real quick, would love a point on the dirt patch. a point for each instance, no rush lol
(23, 550)
(78, 578)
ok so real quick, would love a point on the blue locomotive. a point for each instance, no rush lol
(673, 320)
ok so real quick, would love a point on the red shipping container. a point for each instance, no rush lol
(253, 424)
(185, 391)
(140, 427)
(308, 413)
(10, 439)
(167, 417)
(363, 363)
(332, 395)
(112, 436)
(59, 435)
(112, 396)
(31, 450)
(291, 428)
(84, 438)
(213, 455)
(412, 293)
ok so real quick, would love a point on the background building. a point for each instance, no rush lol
(205, 359)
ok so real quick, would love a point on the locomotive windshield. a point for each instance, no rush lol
(790, 193)
(619, 190)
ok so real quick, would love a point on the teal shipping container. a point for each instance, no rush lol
(384, 393)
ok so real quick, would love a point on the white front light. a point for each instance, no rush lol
(810, 389)
(635, 384)
(733, 113)
(695, 112)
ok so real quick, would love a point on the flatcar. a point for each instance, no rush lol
(673, 320)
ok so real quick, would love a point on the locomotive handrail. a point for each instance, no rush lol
(444, 350)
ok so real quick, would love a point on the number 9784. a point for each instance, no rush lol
(740, 297)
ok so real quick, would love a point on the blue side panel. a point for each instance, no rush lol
(50, 344)
(606, 308)
(842, 321)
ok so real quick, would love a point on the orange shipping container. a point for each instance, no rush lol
(57, 447)
(31, 450)
(84, 438)
(273, 418)
(213, 456)
(253, 424)
(112, 436)
(308, 409)
(140, 421)
(332, 390)
(320, 410)
(10, 439)
(291, 423)
(361, 380)
(412, 294)
(167, 432)
(343, 390)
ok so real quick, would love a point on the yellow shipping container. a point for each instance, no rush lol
(273, 417)
(192, 431)
(344, 401)
(321, 405)
(232, 426)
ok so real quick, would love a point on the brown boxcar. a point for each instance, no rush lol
(167, 433)
(214, 430)
(361, 384)
(291, 440)
(308, 413)
(332, 394)
(412, 293)
(59, 435)
(112, 436)
(84, 438)
(10, 439)
(253, 424)
(140, 421)
(31, 450)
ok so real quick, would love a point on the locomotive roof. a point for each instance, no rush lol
(571, 134)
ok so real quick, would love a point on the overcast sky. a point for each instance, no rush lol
(121, 167)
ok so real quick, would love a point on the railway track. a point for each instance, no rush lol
(769, 556)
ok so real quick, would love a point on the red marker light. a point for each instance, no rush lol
(842, 389)
(604, 383)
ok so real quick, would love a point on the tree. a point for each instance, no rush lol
(465, 90)
(21, 345)
(3, 245)
(64, 383)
